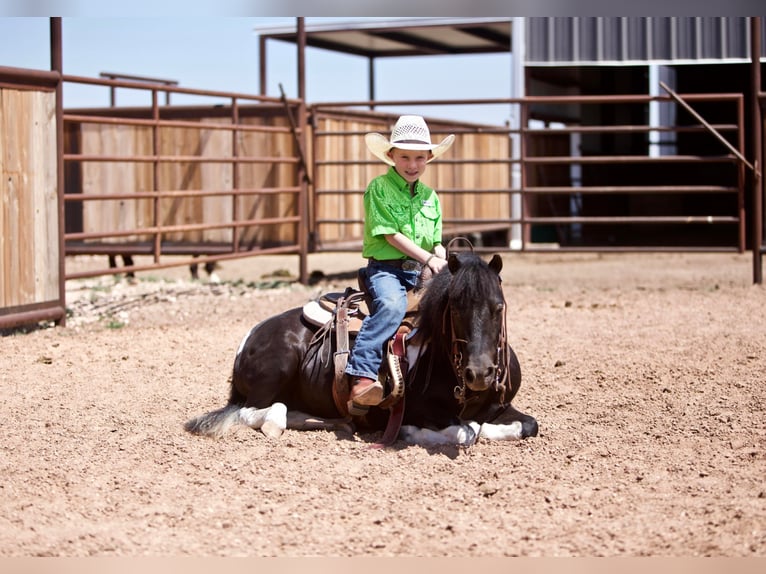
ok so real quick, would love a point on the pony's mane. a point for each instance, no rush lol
(473, 281)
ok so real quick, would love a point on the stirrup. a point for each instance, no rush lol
(356, 410)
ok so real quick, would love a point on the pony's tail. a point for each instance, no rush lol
(216, 423)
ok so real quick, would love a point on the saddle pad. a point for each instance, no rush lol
(317, 313)
(321, 310)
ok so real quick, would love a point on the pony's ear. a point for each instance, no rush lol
(496, 263)
(453, 263)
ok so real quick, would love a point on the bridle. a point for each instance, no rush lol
(456, 356)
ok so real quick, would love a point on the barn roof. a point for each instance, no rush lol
(556, 41)
(377, 38)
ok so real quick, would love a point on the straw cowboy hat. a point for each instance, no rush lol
(410, 133)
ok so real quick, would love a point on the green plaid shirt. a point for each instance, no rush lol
(389, 208)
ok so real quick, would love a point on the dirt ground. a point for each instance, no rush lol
(645, 372)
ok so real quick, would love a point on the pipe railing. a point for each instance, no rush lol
(157, 118)
(531, 162)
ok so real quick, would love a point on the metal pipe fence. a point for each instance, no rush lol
(149, 165)
(586, 168)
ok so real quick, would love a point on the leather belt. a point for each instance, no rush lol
(405, 264)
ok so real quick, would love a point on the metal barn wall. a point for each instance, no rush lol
(29, 204)
(601, 40)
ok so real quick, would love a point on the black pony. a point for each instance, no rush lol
(461, 379)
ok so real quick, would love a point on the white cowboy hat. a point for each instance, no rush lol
(410, 133)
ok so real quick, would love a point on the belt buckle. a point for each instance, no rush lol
(410, 265)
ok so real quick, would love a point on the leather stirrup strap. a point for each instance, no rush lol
(340, 390)
(396, 410)
(395, 418)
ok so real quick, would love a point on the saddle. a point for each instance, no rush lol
(340, 314)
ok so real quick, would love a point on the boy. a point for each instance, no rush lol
(402, 233)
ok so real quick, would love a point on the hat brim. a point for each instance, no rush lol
(379, 146)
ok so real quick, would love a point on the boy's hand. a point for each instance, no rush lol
(436, 263)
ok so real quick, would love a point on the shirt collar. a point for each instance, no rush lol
(400, 182)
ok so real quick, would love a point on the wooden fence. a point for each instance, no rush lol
(30, 286)
(187, 188)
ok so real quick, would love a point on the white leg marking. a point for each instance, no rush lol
(275, 422)
(252, 417)
(464, 435)
(272, 420)
(501, 432)
(416, 435)
(458, 435)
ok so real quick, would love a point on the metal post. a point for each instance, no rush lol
(757, 235)
(518, 90)
(371, 82)
(262, 68)
(303, 228)
(57, 66)
(235, 135)
(157, 221)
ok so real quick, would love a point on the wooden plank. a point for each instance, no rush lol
(6, 182)
(216, 176)
(267, 175)
(20, 287)
(355, 177)
(254, 176)
(43, 179)
(28, 200)
(111, 139)
(179, 176)
(116, 177)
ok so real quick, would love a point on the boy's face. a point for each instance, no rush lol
(408, 163)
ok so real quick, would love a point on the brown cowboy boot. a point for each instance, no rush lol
(366, 392)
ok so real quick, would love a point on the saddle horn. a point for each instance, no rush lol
(458, 239)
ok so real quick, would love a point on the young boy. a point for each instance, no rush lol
(402, 234)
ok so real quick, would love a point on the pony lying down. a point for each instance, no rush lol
(459, 377)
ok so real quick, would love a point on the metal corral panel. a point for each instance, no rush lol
(344, 167)
(216, 175)
(608, 40)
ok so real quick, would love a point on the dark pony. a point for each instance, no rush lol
(462, 373)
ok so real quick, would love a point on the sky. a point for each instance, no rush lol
(222, 53)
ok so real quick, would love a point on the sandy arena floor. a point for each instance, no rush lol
(645, 372)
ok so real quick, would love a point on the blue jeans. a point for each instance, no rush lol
(387, 286)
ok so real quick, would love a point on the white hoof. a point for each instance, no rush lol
(271, 429)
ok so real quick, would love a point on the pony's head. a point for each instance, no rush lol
(466, 314)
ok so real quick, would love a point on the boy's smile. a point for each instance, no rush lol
(409, 164)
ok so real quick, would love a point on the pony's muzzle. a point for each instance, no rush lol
(479, 379)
